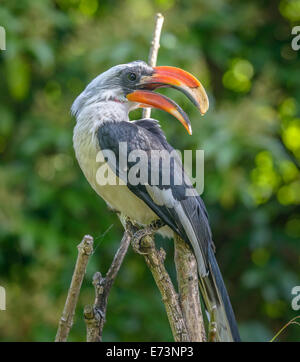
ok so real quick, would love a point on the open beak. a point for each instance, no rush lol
(170, 77)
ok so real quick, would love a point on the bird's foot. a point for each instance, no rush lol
(156, 225)
(146, 231)
(137, 239)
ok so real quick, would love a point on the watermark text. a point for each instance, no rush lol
(163, 168)
(296, 40)
(2, 298)
(296, 300)
(2, 38)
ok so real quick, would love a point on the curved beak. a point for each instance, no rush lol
(177, 78)
(147, 98)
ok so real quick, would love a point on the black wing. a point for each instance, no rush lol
(186, 215)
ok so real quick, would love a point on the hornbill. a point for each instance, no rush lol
(102, 124)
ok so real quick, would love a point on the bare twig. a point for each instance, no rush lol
(154, 258)
(292, 321)
(85, 249)
(187, 276)
(94, 316)
(159, 20)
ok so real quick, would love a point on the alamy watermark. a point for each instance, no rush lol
(296, 300)
(296, 40)
(2, 298)
(2, 38)
(160, 168)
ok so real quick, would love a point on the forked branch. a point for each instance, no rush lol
(95, 315)
(85, 249)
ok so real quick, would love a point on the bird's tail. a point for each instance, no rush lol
(218, 304)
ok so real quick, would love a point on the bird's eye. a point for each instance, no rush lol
(131, 77)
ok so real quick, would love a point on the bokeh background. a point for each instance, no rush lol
(241, 51)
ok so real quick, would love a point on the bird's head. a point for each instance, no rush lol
(134, 84)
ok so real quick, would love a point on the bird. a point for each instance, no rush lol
(103, 125)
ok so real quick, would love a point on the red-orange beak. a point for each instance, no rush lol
(170, 77)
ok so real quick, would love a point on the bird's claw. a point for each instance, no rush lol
(136, 241)
(147, 231)
(156, 225)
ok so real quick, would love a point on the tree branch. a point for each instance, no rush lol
(159, 20)
(143, 243)
(85, 249)
(187, 276)
(94, 316)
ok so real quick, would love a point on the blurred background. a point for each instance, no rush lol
(241, 51)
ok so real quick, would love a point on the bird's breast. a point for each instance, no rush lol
(117, 196)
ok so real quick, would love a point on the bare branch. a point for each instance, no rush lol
(144, 244)
(159, 20)
(94, 316)
(187, 276)
(85, 249)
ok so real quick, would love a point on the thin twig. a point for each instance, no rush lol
(292, 321)
(85, 249)
(187, 276)
(155, 261)
(94, 316)
(159, 20)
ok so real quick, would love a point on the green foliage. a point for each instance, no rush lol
(251, 137)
